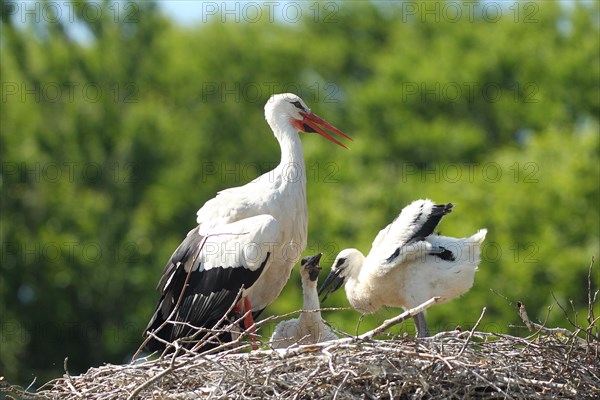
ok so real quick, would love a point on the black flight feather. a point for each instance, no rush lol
(427, 228)
(208, 296)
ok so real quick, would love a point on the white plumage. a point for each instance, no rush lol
(309, 327)
(408, 264)
(247, 237)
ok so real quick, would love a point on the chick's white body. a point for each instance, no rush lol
(408, 264)
(309, 327)
(418, 278)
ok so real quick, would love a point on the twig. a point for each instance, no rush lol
(31, 384)
(396, 320)
(337, 390)
(591, 301)
(69, 380)
(501, 296)
(462, 349)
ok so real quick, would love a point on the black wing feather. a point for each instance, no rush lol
(444, 254)
(208, 296)
(437, 212)
(427, 228)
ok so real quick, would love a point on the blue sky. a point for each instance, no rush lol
(184, 12)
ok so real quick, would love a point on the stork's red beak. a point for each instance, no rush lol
(314, 123)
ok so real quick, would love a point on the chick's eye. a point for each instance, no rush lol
(340, 262)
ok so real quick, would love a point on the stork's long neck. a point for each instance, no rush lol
(311, 300)
(291, 166)
(288, 180)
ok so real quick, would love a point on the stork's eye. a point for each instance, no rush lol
(298, 105)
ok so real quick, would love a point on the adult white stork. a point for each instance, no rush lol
(408, 264)
(309, 327)
(247, 237)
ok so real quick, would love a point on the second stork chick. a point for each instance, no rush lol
(309, 327)
(408, 264)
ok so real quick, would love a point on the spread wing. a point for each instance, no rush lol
(405, 237)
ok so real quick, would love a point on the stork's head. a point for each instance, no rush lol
(346, 265)
(288, 110)
(310, 267)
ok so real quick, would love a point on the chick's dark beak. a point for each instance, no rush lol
(312, 266)
(313, 273)
(334, 280)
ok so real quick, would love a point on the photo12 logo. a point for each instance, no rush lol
(470, 11)
(469, 92)
(16, 253)
(55, 12)
(488, 172)
(257, 92)
(270, 11)
(69, 92)
(68, 171)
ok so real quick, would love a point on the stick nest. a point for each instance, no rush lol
(449, 365)
(551, 363)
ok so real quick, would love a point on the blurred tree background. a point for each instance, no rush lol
(118, 123)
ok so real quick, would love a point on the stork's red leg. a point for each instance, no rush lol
(244, 307)
(249, 322)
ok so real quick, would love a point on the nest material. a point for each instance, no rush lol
(551, 363)
(451, 365)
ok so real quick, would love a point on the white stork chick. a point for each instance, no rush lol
(248, 238)
(308, 328)
(408, 264)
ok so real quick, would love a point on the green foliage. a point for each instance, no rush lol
(108, 148)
